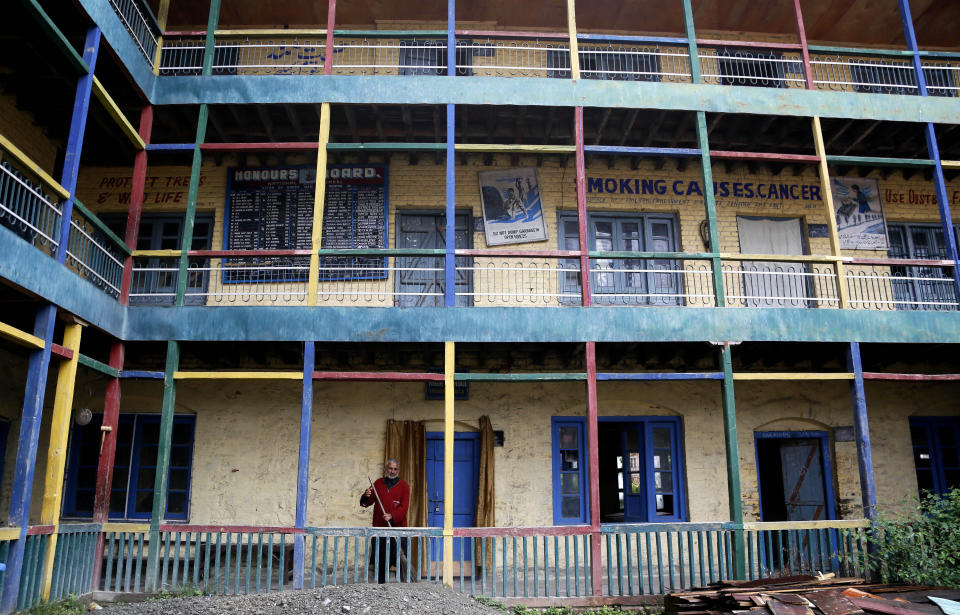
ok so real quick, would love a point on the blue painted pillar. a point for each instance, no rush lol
(78, 124)
(933, 149)
(303, 462)
(27, 453)
(450, 230)
(39, 362)
(861, 429)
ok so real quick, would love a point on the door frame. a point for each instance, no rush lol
(826, 466)
(457, 435)
(434, 212)
(806, 282)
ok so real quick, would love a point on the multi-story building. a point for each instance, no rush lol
(694, 317)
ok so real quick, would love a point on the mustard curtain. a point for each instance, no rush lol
(485, 497)
(407, 443)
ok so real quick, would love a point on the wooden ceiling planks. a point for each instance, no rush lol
(860, 22)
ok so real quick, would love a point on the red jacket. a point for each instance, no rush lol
(395, 500)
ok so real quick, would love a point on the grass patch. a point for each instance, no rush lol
(70, 605)
(565, 610)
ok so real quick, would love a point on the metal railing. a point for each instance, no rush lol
(94, 254)
(141, 28)
(483, 278)
(779, 284)
(751, 67)
(28, 209)
(494, 57)
(902, 284)
(367, 55)
(636, 279)
(245, 55)
(527, 55)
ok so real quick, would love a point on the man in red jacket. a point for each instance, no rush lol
(393, 495)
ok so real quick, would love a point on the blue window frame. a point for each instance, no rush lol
(628, 281)
(569, 471)
(642, 478)
(134, 468)
(936, 453)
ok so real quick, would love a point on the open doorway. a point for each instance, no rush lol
(793, 474)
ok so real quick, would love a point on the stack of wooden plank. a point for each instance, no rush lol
(807, 595)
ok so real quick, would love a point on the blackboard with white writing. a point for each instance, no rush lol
(272, 209)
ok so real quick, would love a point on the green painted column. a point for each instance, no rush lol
(191, 213)
(709, 200)
(163, 464)
(733, 464)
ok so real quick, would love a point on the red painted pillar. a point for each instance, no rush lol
(136, 200)
(593, 475)
(328, 52)
(802, 35)
(111, 402)
(108, 449)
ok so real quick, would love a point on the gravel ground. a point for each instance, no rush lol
(356, 599)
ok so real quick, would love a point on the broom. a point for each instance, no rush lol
(403, 556)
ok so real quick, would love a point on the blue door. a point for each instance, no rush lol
(466, 481)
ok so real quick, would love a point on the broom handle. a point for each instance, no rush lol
(377, 495)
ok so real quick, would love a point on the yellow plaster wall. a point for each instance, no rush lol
(18, 126)
(247, 433)
(421, 187)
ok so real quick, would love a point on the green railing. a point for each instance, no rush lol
(31, 575)
(73, 563)
(336, 556)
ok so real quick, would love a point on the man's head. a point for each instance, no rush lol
(391, 469)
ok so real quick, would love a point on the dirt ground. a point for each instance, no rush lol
(356, 599)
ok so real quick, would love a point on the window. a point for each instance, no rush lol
(155, 283)
(878, 77)
(640, 475)
(920, 288)
(569, 475)
(936, 453)
(607, 63)
(754, 68)
(630, 281)
(134, 468)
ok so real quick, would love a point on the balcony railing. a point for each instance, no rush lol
(504, 278)
(780, 284)
(140, 24)
(94, 252)
(547, 55)
(29, 208)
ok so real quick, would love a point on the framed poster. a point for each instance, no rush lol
(512, 209)
(860, 221)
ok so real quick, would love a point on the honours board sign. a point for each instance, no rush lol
(272, 209)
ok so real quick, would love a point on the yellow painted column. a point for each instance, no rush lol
(318, 200)
(448, 362)
(574, 48)
(162, 15)
(831, 214)
(57, 450)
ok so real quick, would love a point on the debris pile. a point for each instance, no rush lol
(811, 595)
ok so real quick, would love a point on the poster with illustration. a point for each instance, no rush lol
(512, 209)
(860, 221)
